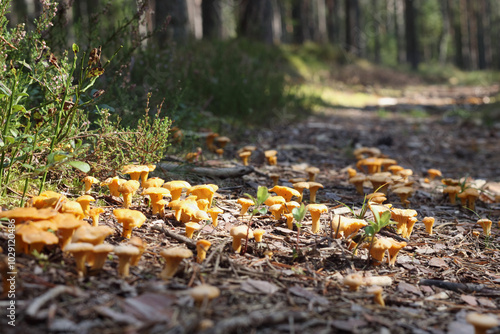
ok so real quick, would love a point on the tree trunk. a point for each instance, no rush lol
(464, 34)
(445, 36)
(212, 19)
(261, 20)
(412, 55)
(352, 24)
(376, 32)
(399, 30)
(321, 32)
(473, 34)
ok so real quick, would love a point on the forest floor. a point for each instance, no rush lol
(300, 293)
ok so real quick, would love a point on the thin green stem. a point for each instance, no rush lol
(6, 129)
(59, 116)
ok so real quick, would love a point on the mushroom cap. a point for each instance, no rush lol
(128, 169)
(132, 217)
(429, 220)
(72, 207)
(270, 153)
(153, 182)
(482, 321)
(434, 172)
(403, 190)
(241, 232)
(45, 224)
(126, 250)
(103, 248)
(215, 210)
(380, 177)
(249, 148)
(348, 226)
(204, 291)
(452, 189)
(321, 208)
(205, 191)
(245, 154)
(357, 178)
(25, 214)
(289, 206)
(91, 234)
(312, 169)
(353, 281)
(201, 215)
(79, 247)
(245, 201)
(286, 192)
(47, 199)
(156, 191)
(90, 179)
(315, 185)
(85, 199)
(176, 252)
(96, 211)
(222, 140)
(176, 184)
(129, 186)
(271, 200)
(112, 180)
(193, 226)
(368, 151)
(395, 169)
(204, 243)
(37, 235)
(301, 185)
(68, 221)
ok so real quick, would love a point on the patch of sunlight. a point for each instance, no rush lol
(323, 96)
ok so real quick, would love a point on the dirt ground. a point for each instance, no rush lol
(437, 279)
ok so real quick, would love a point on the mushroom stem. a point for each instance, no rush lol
(127, 200)
(170, 268)
(202, 247)
(236, 244)
(315, 221)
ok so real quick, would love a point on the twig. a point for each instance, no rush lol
(461, 287)
(189, 242)
(221, 173)
(33, 310)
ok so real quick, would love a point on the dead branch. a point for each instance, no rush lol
(189, 242)
(220, 173)
(461, 287)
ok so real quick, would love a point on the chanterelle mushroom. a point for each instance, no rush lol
(127, 189)
(204, 293)
(129, 219)
(173, 257)
(481, 322)
(125, 253)
(238, 233)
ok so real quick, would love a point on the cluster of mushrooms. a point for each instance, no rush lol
(53, 219)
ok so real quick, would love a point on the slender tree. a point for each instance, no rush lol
(412, 55)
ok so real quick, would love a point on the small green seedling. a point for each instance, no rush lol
(374, 227)
(298, 214)
(258, 202)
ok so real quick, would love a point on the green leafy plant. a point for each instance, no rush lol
(374, 226)
(114, 145)
(298, 215)
(258, 203)
(43, 99)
